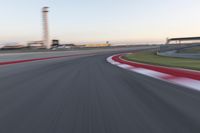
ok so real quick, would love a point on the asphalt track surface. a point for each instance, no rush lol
(88, 95)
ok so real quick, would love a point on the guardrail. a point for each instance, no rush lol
(171, 47)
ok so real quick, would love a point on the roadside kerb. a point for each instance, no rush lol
(181, 77)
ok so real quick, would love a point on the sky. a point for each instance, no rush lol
(97, 21)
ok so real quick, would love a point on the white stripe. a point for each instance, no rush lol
(150, 73)
(109, 59)
(125, 66)
(191, 83)
(115, 63)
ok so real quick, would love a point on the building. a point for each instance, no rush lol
(97, 45)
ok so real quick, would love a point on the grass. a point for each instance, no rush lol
(152, 58)
(191, 50)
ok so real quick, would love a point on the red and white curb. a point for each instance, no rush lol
(186, 78)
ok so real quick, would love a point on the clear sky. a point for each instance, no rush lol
(100, 20)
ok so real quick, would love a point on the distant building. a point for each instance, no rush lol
(183, 39)
(36, 44)
(67, 45)
(55, 43)
(97, 45)
(9, 46)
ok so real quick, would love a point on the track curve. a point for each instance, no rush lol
(89, 95)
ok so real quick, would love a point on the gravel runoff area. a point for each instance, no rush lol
(153, 58)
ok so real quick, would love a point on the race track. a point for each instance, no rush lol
(85, 94)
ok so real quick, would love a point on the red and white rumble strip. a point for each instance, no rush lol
(183, 77)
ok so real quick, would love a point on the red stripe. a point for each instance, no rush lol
(171, 71)
(38, 59)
